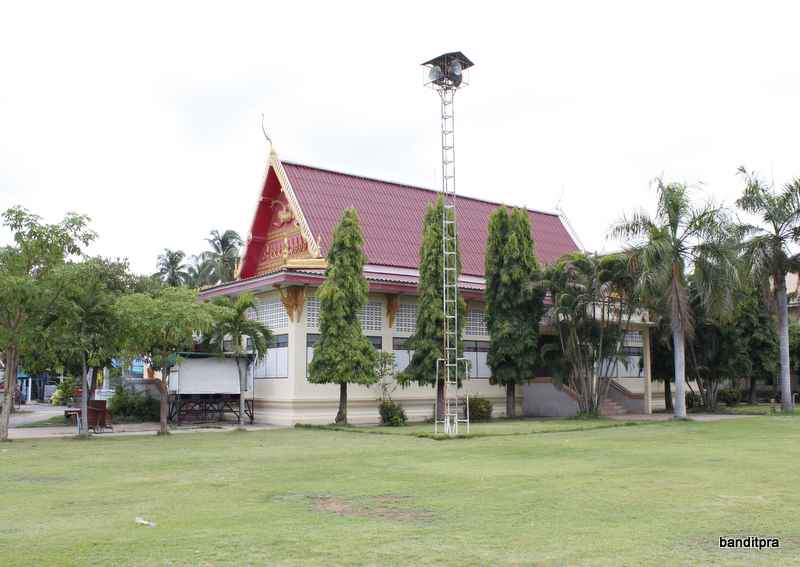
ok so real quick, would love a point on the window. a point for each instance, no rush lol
(406, 318)
(632, 344)
(312, 312)
(311, 342)
(402, 356)
(272, 314)
(276, 363)
(476, 323)
(371, 317)
(476, 352)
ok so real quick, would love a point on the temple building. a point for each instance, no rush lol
(283, 264)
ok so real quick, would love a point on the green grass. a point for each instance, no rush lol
(497, 428)
(753, 409)
(659, 494)
(53, 421)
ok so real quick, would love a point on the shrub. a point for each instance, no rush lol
(480, 409)
(693, 400)
(64, 392)
(730, 396)
(392, 413)
(134, 406)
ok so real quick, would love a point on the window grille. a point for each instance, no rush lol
(406, 318)
(371, 317)
(273, 315)
(312, 312)
(633, 340)
(476, 323)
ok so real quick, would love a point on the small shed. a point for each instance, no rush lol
(204, 387)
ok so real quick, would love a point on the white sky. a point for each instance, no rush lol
(146, 116)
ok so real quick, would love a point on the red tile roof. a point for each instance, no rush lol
(391, 218)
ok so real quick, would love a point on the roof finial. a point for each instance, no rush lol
(266, 136)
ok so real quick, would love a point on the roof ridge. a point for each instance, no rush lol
(410, 186)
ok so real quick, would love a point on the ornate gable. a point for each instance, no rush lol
(279, 235)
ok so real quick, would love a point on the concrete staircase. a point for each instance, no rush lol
(610, 407)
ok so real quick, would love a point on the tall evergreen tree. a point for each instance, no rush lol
(427, 341)
(343, 354)
(513, 306)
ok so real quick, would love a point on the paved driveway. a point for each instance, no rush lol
(30, 413)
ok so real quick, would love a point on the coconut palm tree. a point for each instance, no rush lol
(171, 267)
(200, 272)
(767, 254)
(235, 325)
(680, 237)
(224, 253)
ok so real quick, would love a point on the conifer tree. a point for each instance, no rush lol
(343, 354)
(426, 343)
(513, 306)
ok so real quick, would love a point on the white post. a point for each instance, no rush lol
(648, 378)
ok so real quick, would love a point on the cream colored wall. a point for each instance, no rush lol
(297, 400)
(276, 389)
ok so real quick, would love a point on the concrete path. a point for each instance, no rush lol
(123, 429)
(33, 412)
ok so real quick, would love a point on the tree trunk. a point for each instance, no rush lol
(164, 405)
(668, 394)
(341, 416)
(242, 387)
(751, 397)
(511, 400)
(84, 432)
(10, 390)
(440, 400)
(93, 388)
(787, 402)
(680, 368)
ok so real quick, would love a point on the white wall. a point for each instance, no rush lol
(206, 376)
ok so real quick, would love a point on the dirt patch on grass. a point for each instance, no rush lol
(371, 507)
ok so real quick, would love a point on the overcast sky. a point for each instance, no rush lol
(146, 117)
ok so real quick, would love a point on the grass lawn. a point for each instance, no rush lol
(499, 427)
(656, 494)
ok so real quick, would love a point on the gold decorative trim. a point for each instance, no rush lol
(313, 263)
(293, 299)
(286, 187)
(392, 307)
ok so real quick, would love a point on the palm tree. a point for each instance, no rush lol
(171, 268)
(235, 326)
(662, 248)
(767, 255)
(200, 272)
(224, 253)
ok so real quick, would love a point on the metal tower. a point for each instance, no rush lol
(445, 74)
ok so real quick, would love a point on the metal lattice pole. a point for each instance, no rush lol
(451, 365)
(445, 74)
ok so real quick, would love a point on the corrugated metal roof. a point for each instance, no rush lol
(391, 218)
